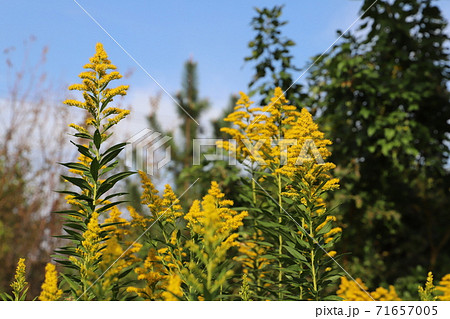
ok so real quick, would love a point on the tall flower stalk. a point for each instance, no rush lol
(290, 150)
(93, 175)
(19, 285)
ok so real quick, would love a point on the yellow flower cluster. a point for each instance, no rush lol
(251, 255)
(153, 274)
(260, 132)
(427, 293)
(160, 276)
(173, 290)
(95, 94)
(351, 291)
(50, 290)
(383, 294)
(214, 209)
(19, 282)
(114, 257)
(242, 117)
(213, 224)
(444, 288)
(167, 207)
(170, 205)
(90, 248)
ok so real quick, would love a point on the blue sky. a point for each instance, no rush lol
(162, 35)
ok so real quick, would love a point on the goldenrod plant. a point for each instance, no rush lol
(245, 293)
(277, 243)
(444, 288)
(50, 287)
(19, 285)
(190, 264)
(213, 226)
(285, 153)
(427, 293)
(86, 234)
(350, 290)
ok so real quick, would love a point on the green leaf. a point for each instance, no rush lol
(83, 150)
(295, 253)
(81, 183)
(82, 135)
(108, 206)
(116, 147)
(94, 169)
(97, 139)
(77, 166)
(69, 281)
(109, 157)
(111, 181)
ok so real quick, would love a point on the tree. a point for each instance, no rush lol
(189, 109)
(382, 96)
(29, 149)
(273, 61)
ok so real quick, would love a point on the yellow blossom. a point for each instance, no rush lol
(444, 288)
(358, 291)
(214, 206)
(50, 290)
(173, 290)
(170, 205)
(19, 283)
(352, 291)
(95, 93)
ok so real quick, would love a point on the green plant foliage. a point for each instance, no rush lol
(85, 235)
(271, 57)
(382, 95)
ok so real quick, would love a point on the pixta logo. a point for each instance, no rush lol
(147, 151)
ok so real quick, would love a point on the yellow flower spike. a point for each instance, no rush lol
(215, 190)
(94, 91)
(427, 294)
(351, 291)
(328, 219)
(444, 288)
(90, 248)
(383, 294)
(79, 128)
(333, 232)
(50, 290)
(214, 207)
(75, 103)
(153, 273)
(173, 289)
(137, 219)
(170, 207)
(214, 224)
(19, 283)
(119, 230)
(78, 87)
(150, 195)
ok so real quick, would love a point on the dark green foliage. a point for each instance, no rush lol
(273, 61)
(382, 96)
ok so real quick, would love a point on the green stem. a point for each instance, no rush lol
(280, 238)
(253, 188)
(313, 266)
